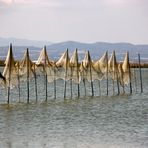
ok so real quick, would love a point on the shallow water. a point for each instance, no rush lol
(100, 122)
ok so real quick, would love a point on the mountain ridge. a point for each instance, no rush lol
(96, 49)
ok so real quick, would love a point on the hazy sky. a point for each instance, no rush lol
(78, 20)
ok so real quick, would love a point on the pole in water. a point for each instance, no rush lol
(64, 89)
(107, 75)
(46, 85)
(65, 83)
(8, 94)
(54, 88)
(78, 90)
(92, 88)
(84, 86)
(27, 89)
(140, 73)
(18, 81)
(118, 86)
(35, 81)
(71, 86)
(27, 54)
(71, 82)
(54, 84)
(129, 74)
(45, 72)
(36, 90)
(99, 87)
(11, 56)
(135, 80)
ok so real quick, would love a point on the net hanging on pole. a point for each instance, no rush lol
(25, 70)
(113, 67)
(126, 70)
(87, 71)
(46, 66)
(74, 65)
(63, 66)
(10, 71)
(101, 66)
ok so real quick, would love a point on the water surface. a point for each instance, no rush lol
(100, 122)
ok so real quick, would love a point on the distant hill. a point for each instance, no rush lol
(96, 50)
(22, 42)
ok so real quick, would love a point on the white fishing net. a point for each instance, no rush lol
(74, 66)
(25, 67)
(87, 70)
(120, 74)
(63, 67)
(127, 74)
(45, 66)
(10, 71)
(103, 63)
(101, 66)
(113, 67)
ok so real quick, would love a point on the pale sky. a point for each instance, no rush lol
(77, 20)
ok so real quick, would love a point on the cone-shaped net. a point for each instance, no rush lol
(125, 67)
(25, 67)
(10, 71)
(74, 65)
(45, 66)
(87, 70)
(63, 66)
(113, 67)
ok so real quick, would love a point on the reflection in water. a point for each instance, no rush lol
(115, 121)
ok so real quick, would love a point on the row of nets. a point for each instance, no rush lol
(65, 68)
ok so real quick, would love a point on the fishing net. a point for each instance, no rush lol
(101, 66)
(87, 70)
(113, 67)
(44, 65)
(63, 67)
(10, 71)
(25, 67)
(127, 74)
(74, 65)
(120, 74)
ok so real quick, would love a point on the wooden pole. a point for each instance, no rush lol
(99, 87)
(71, 81)
(35, 81)
(9, 74)
(129, 75)
(78, 90)
(27, 77)
(27, 89)
(84, 86)
(54, 84)
(45, 74)
(107, 76)
(46, 85)
(92, 89)
(65, 88)
(118, 86)
(140, 73)
(135, 79)
(18, 76)
(65, 82)
(66, 68)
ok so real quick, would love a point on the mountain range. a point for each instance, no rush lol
(56, 49)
